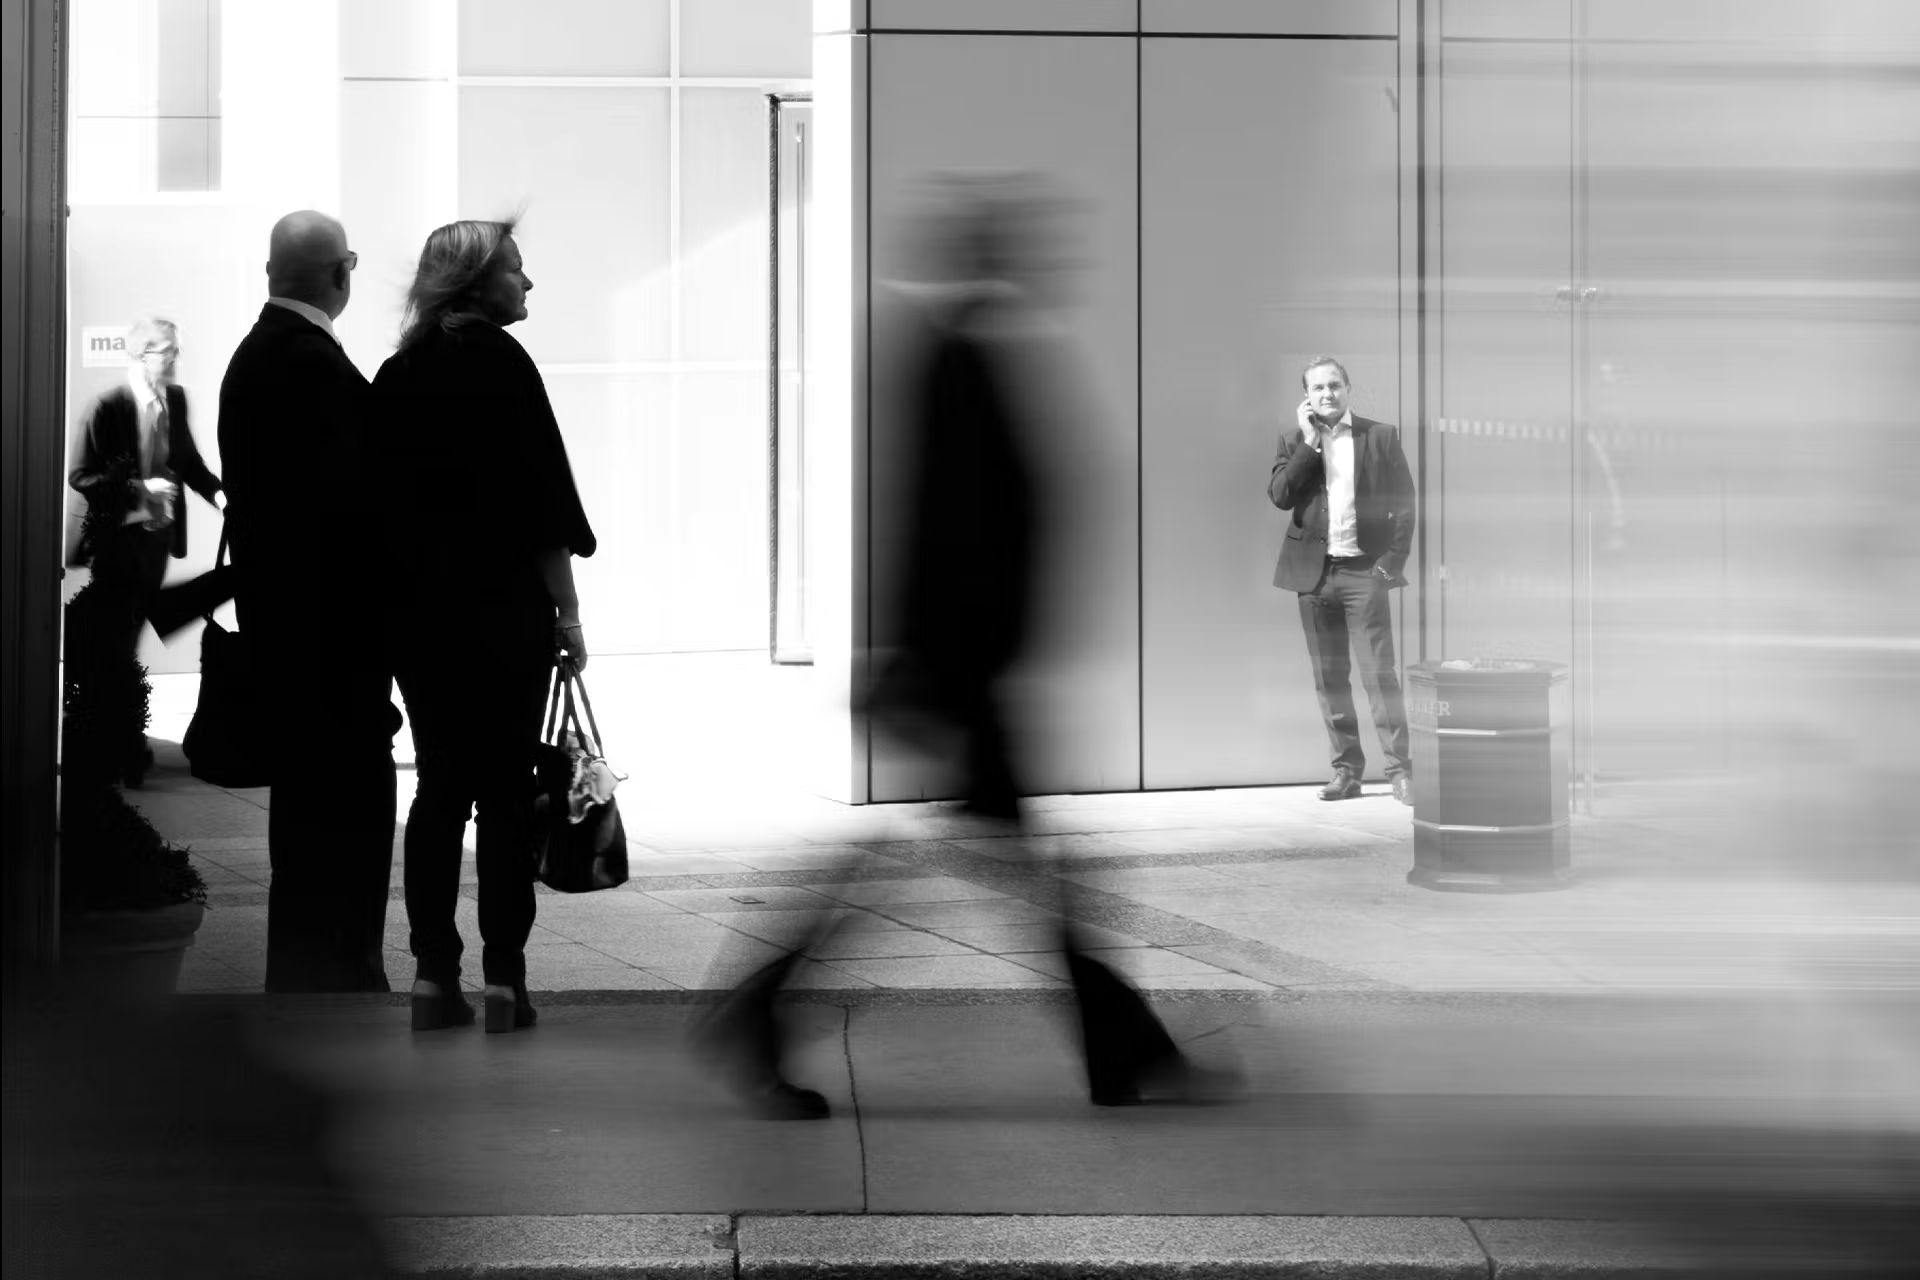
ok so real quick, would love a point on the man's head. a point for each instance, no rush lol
(153, 344)
(1325, 382)
(308, 261)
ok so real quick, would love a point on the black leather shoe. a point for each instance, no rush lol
(436, 1006)
(508, 1008)
(1342, 786)
(1402, 788)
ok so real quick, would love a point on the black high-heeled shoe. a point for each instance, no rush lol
(508, 1008)
(436, 1006)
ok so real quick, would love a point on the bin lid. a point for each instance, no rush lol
(1489, 667)
(1494, 664)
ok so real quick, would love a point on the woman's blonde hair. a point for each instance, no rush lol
(454, 266)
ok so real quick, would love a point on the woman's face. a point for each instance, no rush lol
(504, 296)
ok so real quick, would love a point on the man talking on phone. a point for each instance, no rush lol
(1344, 481)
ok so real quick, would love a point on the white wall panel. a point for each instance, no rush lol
(771, 38)
(565, 38)
(585, 164)
(397, 39)
(1273, 17)
(1269, 233)
(401, 185)
(1064, 107)
(723, 224)
(1006, 15)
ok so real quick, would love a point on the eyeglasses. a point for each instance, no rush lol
(166, 353)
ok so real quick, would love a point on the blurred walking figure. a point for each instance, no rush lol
(294, 434)
(135, 450)
(484, 522)
(1345, 482)
(979, 502)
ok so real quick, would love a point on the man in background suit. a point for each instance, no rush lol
(293, 413)
(134, 452)
(1345, 480)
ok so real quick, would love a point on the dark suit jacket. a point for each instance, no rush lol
(302, 518)
(106, 457)
(1382, 498)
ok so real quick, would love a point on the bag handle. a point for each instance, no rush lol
(553, 707)
(565, 680)
(219, 562)
(580, 681)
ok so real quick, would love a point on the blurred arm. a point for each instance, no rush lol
(186, 460)
(94, 474)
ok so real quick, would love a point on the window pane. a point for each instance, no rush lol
(723, 224)
(564, 38)
(677, 499)
(589, 167)
(772, 38)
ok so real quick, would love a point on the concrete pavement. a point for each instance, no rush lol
(1692, 1060)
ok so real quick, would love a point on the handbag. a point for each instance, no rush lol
(580, 843)
(225, 743)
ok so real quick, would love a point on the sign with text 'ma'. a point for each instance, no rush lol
(103, 346)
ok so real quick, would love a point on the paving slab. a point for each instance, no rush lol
(574, 1247)
(595, 1110)
(938, 1247)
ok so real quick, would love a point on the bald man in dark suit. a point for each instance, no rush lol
(293, 417)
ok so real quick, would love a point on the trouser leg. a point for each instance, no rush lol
(367, 864)
(433, 847)
(1370, 615)
(306, 907)
(504, 839)
(1323, 618)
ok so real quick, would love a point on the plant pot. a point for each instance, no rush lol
(135, 953)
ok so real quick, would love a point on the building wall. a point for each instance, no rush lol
(1239, 168)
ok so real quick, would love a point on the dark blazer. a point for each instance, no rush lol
(106, 457)
(478, 487)
(300, 507)
(1382, 498)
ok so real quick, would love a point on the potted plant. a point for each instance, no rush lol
(130, 901)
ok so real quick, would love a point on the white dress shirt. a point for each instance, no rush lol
(1336, 454)
(307, 311)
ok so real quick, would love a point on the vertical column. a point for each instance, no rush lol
(836, 381)
(32, 443)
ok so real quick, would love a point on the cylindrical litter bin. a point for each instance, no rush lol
(1490, 775)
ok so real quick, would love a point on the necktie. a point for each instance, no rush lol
(157, 450)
